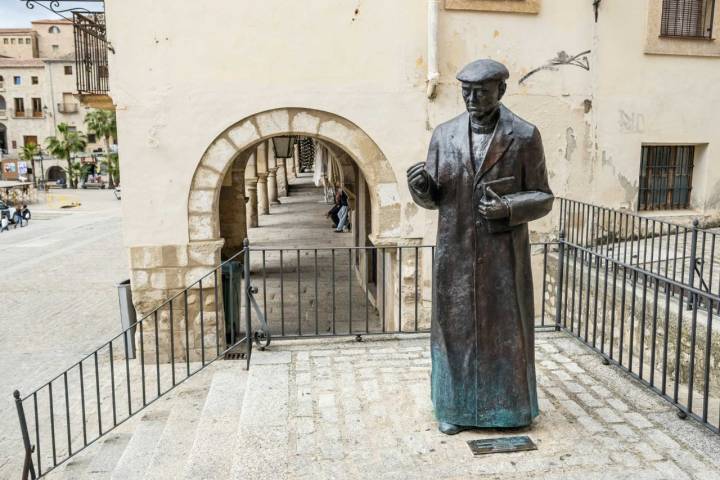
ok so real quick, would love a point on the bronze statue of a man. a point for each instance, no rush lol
(485, 173)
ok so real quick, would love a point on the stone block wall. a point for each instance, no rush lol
(194, 319)
(618, 308)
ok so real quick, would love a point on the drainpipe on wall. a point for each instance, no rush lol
(433, 76)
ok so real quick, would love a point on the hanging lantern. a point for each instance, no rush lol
(283, 146)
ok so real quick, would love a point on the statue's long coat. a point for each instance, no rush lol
(483, 371)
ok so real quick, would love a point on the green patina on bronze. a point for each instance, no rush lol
(483, 372)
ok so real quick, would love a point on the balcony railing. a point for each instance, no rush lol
(91, 55)
(27, 114)
(67, 107)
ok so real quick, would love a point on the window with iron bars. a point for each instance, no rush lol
(666, 177)
(687, 18)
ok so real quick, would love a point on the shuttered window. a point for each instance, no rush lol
(687, 18)
(666, 177)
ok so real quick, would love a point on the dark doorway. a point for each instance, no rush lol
(3, 139)
(55, 173)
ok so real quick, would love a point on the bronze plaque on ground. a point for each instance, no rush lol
(501, 445)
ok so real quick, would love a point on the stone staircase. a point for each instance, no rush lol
(303, 185)
(219, 423)
(193, 432)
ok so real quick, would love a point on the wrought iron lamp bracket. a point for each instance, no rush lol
(55, 6)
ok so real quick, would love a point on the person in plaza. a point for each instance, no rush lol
(20, 215)
(343, 224)
(485, 173)
(341, 200)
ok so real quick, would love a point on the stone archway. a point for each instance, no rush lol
(203, 198)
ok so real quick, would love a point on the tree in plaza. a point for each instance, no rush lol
(112, 163)
(64, 145)
(79, 170)
(103, 124)
(28, 154)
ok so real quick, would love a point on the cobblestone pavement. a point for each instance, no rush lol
(364, 411)
(59, 299)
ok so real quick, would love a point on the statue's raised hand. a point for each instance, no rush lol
(418, 178)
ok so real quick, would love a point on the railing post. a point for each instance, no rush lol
(693, 261)
(248, 293)
(28, 466)
(559, 285)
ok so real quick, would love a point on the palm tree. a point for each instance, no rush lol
(63, 147)
(28, 154)
(112, 162)
(103, 124)
(79, 170)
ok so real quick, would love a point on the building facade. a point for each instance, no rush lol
(37, 93)
(622, 92)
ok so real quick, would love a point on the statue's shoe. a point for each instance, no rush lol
(451, 429)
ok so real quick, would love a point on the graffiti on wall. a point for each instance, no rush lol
(631, 122)
(563, 58)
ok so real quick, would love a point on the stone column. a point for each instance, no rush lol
(233, 219)
(251, 180)
(272, 175)
(262, 174)
(296, 160)
(282, 180)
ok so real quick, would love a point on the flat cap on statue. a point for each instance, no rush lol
(481, 70)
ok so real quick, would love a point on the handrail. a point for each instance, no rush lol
(124, 375)
(623, 212)
(134, 325)
(628, 315)
(627, 266)
(689, 251)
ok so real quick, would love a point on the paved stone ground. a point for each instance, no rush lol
(364, 411)
(59, 299)
(337, 409)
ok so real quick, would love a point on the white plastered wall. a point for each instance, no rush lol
(179, 82)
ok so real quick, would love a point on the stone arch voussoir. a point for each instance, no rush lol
(203, 198)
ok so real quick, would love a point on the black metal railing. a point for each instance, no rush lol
(91, 53)
(132, 370)
(350, 291)
(683, 254)
(630, 315)
(286, 293)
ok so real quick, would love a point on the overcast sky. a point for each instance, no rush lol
(14, 13)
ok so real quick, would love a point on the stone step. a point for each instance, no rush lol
(213, 450)
(136, 459)
(106, 459)
(174, 447)
(262, 440)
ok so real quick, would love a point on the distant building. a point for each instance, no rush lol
(37, 86)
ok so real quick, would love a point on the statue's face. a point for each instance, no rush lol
(483, 97)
